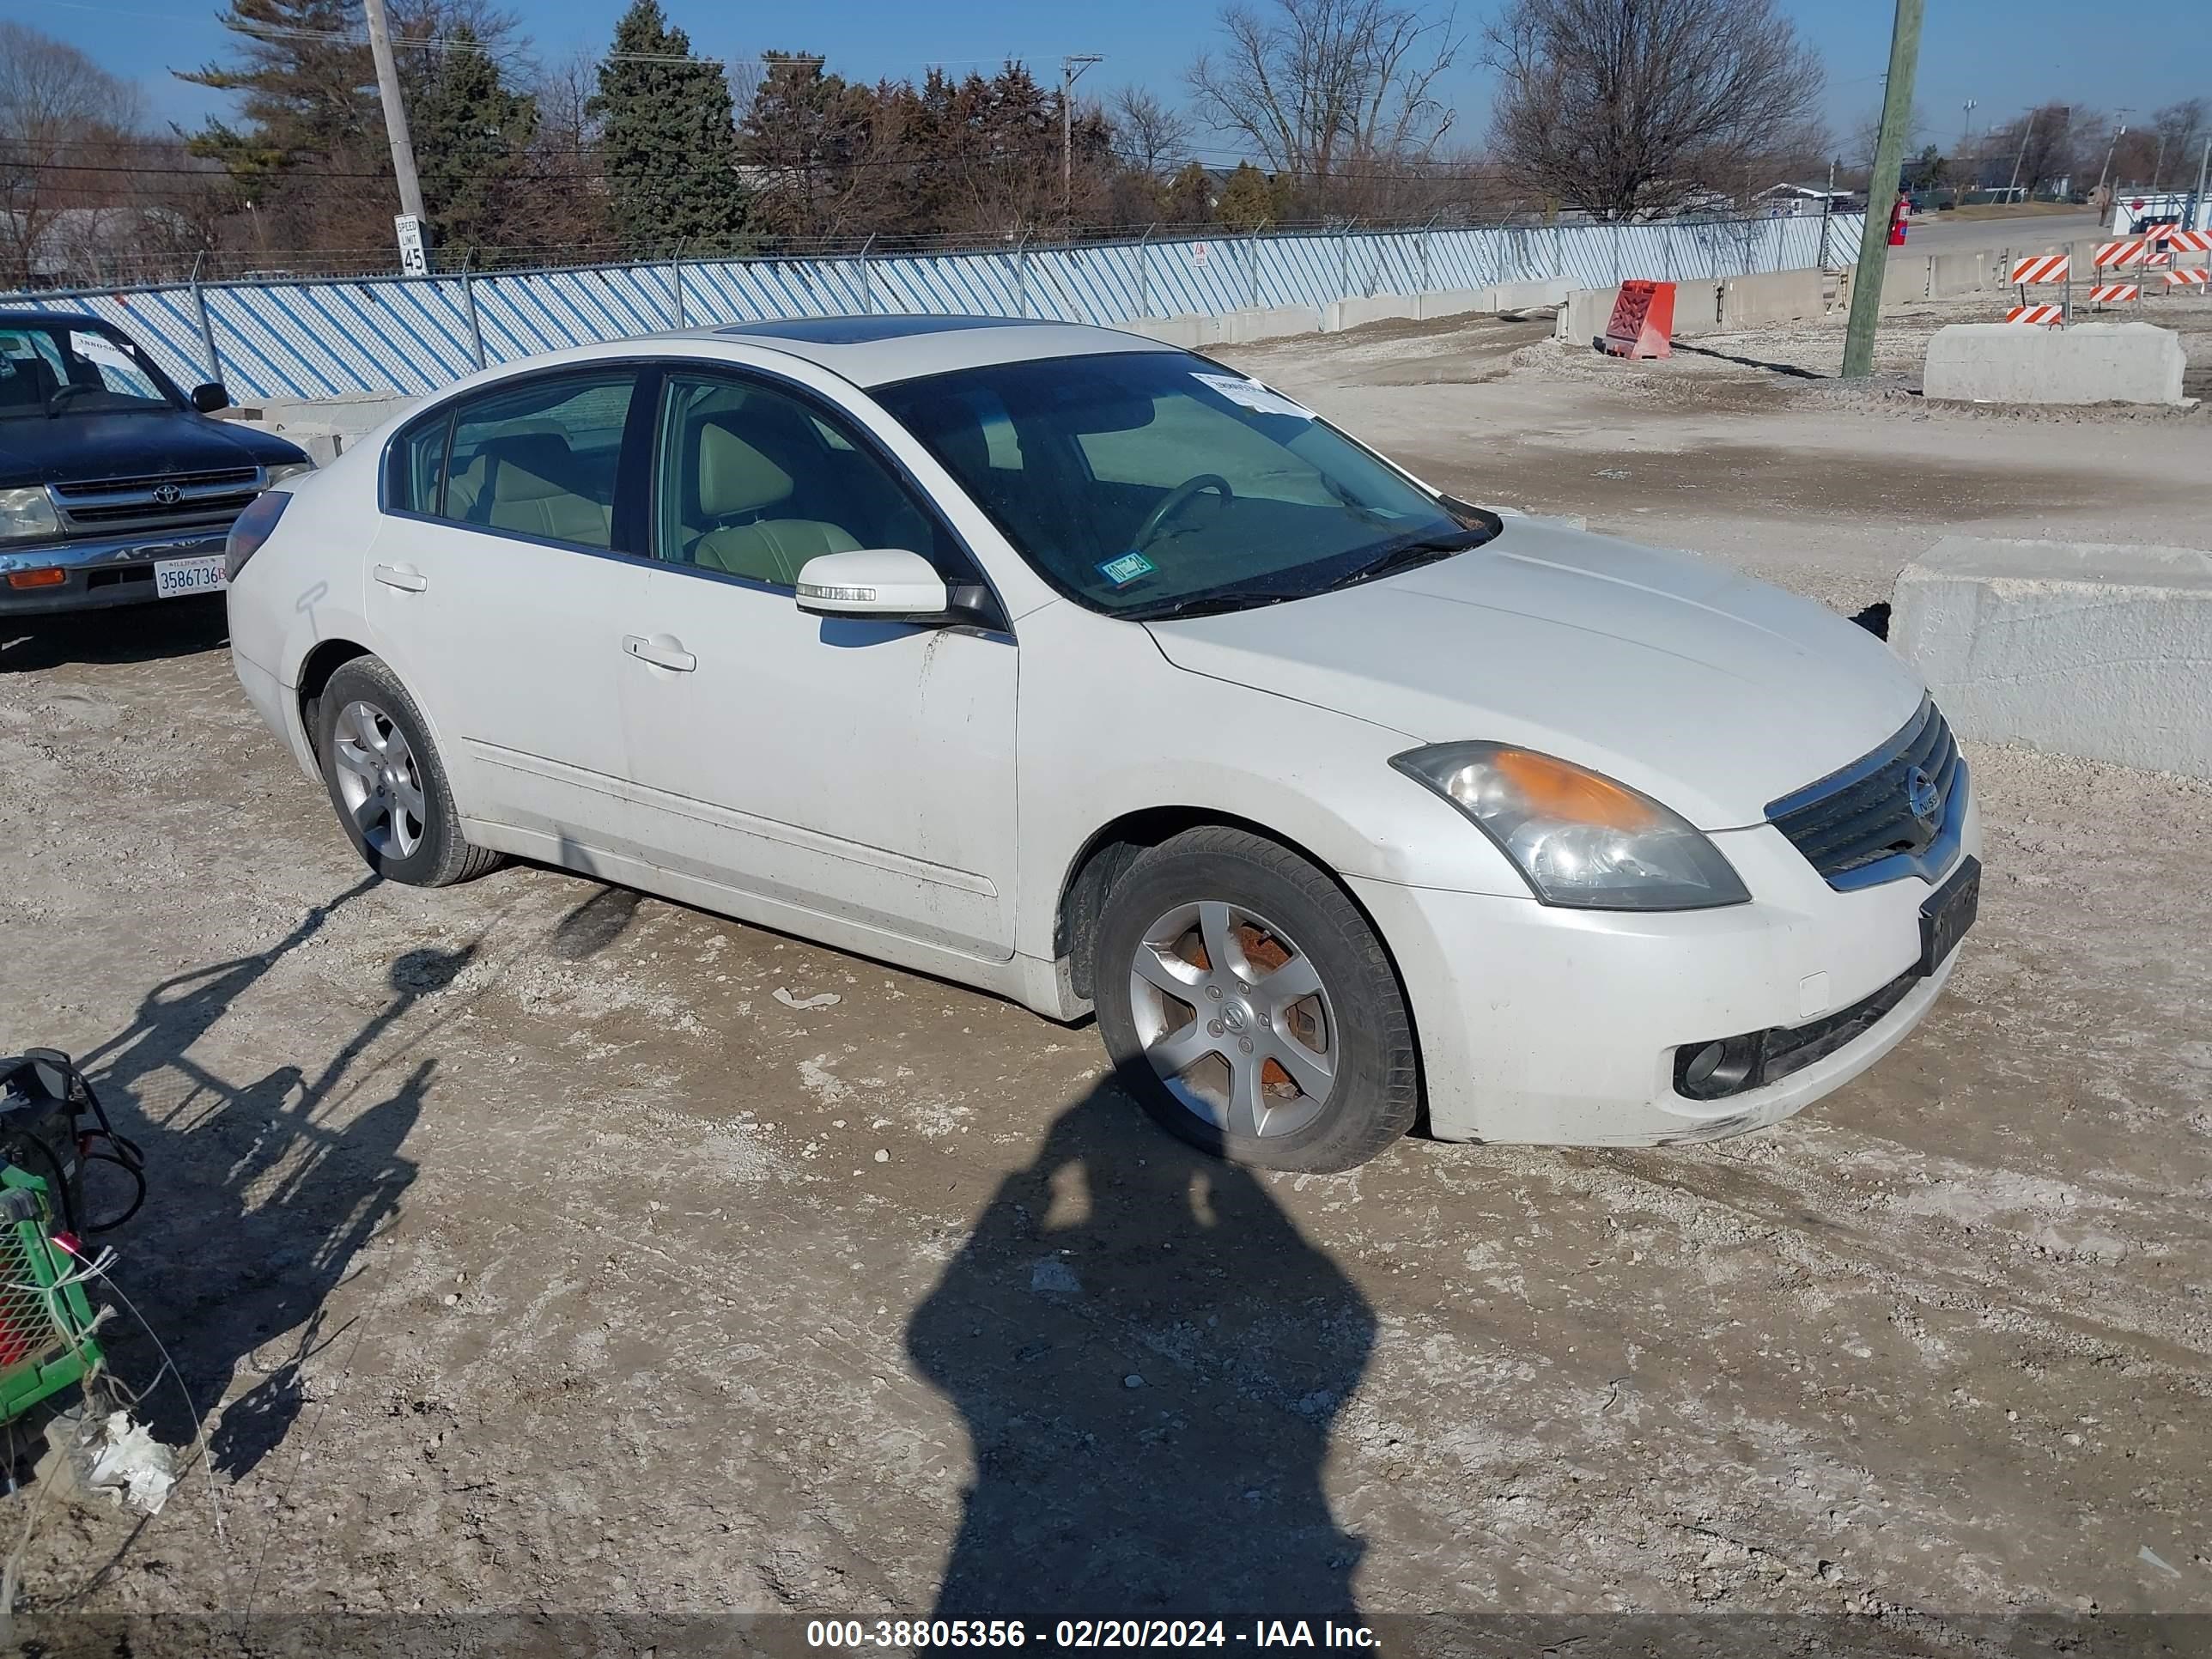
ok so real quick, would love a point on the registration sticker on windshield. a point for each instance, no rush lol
(1253, 396)
(1126, 569)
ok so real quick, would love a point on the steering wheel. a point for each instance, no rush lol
(62, 394)
(1177, 499)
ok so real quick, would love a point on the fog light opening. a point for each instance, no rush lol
(1716, 1070)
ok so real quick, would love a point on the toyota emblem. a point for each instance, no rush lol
(1921, 796)
(168, 495)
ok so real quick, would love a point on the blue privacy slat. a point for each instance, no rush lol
(307, 339)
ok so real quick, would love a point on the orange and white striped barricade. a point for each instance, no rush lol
(2112, 256)
(2039, 271)
(2197, 277)
(2109, 293)
(2039, 268)
(2041, 316)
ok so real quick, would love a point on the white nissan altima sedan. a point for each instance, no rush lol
(1098, 675)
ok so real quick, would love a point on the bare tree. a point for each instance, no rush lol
(1153, 138)
(2181, 128)
(1326, 89)
(61, 118)
(1630, 106)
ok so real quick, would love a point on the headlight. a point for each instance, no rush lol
(284, 470)
(1580, 839)
(27, 512)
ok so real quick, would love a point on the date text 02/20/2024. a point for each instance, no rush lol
(1084, 1633)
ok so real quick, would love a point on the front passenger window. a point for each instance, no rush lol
(753, 483)
(541, 460)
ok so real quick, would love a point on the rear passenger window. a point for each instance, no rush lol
(539, 460)
(420, 474)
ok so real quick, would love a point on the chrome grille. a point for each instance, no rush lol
(161, 501)
(1858, 826)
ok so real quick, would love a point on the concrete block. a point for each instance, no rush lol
(2078, 649)
(1373, 309)
(1268, 323)
(1951, 275)
(1582, 318)
(1455, 302)
(2088, 363)
(353, 411)
(1529, 296)
(1778, 296)
(1189, 331)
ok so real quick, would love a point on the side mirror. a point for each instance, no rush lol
(207, 397)
(888, 583)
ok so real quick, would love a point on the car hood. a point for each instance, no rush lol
(1712, 693)
(37, 451)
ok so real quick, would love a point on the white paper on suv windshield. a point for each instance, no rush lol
(1253, 396)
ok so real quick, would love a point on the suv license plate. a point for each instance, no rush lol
(1948, 913)
(177, 578)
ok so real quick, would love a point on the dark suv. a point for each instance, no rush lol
(115, 487)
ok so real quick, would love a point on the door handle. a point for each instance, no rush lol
(670, 655)
(404, 577)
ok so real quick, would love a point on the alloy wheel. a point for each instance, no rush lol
(1234, 1018)
(380, 780)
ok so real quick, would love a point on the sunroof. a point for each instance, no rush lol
(858, 330)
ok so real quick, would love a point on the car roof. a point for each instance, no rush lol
(877, 350)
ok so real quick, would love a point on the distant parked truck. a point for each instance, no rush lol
(115, 487)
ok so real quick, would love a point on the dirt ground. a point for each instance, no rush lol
(524, 1247)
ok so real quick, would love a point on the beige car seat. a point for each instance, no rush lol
(736, 479)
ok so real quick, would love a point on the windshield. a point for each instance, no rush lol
(54, 370)
(1152, 483)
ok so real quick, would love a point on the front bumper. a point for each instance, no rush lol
(1556, 1026)
(99, 572)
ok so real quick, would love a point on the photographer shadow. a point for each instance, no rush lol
(261, 1197)
(1149, 1358)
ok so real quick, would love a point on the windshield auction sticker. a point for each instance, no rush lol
(1126, 569)
(1252, 395)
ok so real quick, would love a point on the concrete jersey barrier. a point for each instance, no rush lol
(2087, 363)
(2077, 648)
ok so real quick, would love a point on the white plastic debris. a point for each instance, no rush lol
(132, 1467)
(819, 1000)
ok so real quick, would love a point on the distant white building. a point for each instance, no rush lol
(2134, 210)
(1792, 200)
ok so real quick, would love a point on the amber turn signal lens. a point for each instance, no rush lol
(47, 577)
(1557, 791)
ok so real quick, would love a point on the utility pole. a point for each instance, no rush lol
(2118, 133)
(2196, 207)
(395, 111)
(2026, 127)
(1881, 190)
(1070, 66)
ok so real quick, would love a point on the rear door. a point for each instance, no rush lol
(500, 587)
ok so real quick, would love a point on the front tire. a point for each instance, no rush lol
(1247, 1003)
(387, 781)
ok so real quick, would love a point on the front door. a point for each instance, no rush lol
(859, 771)
(500, 599)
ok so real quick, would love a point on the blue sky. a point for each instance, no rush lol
(2006, 54)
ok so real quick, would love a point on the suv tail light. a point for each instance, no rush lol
(252, 528)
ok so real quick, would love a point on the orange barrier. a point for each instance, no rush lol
(1642, 323)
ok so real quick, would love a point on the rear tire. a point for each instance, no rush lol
(1247, 1003)
(387, 783)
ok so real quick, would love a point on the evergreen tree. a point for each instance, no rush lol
(472, 136)
(1247, 201)
(1189, 199)
(309, 151)
(666, 139)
